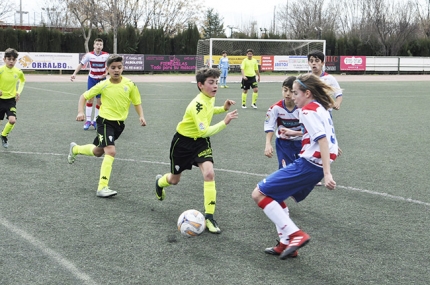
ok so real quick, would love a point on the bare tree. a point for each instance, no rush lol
(5, 9)
(302, 19)
(86, 13)
(392, 23)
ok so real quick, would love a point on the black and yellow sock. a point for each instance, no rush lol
(254, 98)
(105, 171)
(162, 182)
(209, 193)
(243, 99)
(86, 149)
(7, 129)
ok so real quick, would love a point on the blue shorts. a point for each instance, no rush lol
(295, 180)
(287, 150)
(92, 82)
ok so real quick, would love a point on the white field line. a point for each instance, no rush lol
(386, 195)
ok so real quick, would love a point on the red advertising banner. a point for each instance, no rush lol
(352, 63)
(267, 62)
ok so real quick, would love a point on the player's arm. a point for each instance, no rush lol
(20, 86)
(81, 107)
(257, 71)
(268, 150)
(325, 157)
(337, 102)
(96, 89)
(139, 111)
(77, 69)
(242, 70)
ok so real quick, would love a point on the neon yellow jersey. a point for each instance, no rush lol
(198, 117)
(116, 98)
(9, 80)
(249, 66)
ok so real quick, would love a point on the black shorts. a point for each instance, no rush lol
(107, 131)
(7, 107)
(186, 152)
(251, 82)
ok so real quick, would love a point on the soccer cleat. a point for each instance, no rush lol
(87, 125)
(94, 124)
(297, 240)
(278, 249)
(159, 192)
(212, 226)
(225, 86)
(254, 106)
(71, 157)
(243, 106)
(4, 142)
(222, 86)
(105, 192)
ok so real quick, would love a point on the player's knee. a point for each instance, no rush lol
(209, 175)
(256, 195)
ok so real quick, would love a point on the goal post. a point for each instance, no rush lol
(272, 54)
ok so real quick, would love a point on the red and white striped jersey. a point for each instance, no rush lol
(317, 123)
(97, 63)
(278, 116)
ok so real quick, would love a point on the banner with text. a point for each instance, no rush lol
(45, 61)
(352, 63)
(170, 62)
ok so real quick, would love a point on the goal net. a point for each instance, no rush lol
(273, 55)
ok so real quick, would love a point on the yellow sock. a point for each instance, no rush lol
(254, 98)
(209, 193)
(105, 171)
(162, 182)
(243, 98)
(7, 129)
(84, 149)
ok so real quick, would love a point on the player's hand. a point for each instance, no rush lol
(329, 182)
(245, 78)
(80, 117)
(230, 116)
(17, 97)
(228, 103)
(258, 78)
(268, 151)
(72, 77)
(142, 121)
(336, 106)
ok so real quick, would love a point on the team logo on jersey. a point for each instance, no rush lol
(201, 126)
(126, 88)
(199, 107)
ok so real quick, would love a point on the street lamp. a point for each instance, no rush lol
(20, 12)
(47, 9)
(231, 29)
(319, 32)
(263, 32)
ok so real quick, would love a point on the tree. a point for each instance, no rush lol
(213, 26)
(5, 9)
(85, 12)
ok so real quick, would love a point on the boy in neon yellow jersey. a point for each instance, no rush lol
(12, 82)
(249, 70)
(117, 92)
(191, 144)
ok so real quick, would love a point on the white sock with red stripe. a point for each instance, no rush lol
(88, 111)
(279, 217)
(96, 112)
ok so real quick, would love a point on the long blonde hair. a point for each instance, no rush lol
(321, 92)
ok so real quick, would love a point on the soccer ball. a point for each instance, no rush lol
(191, 223)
